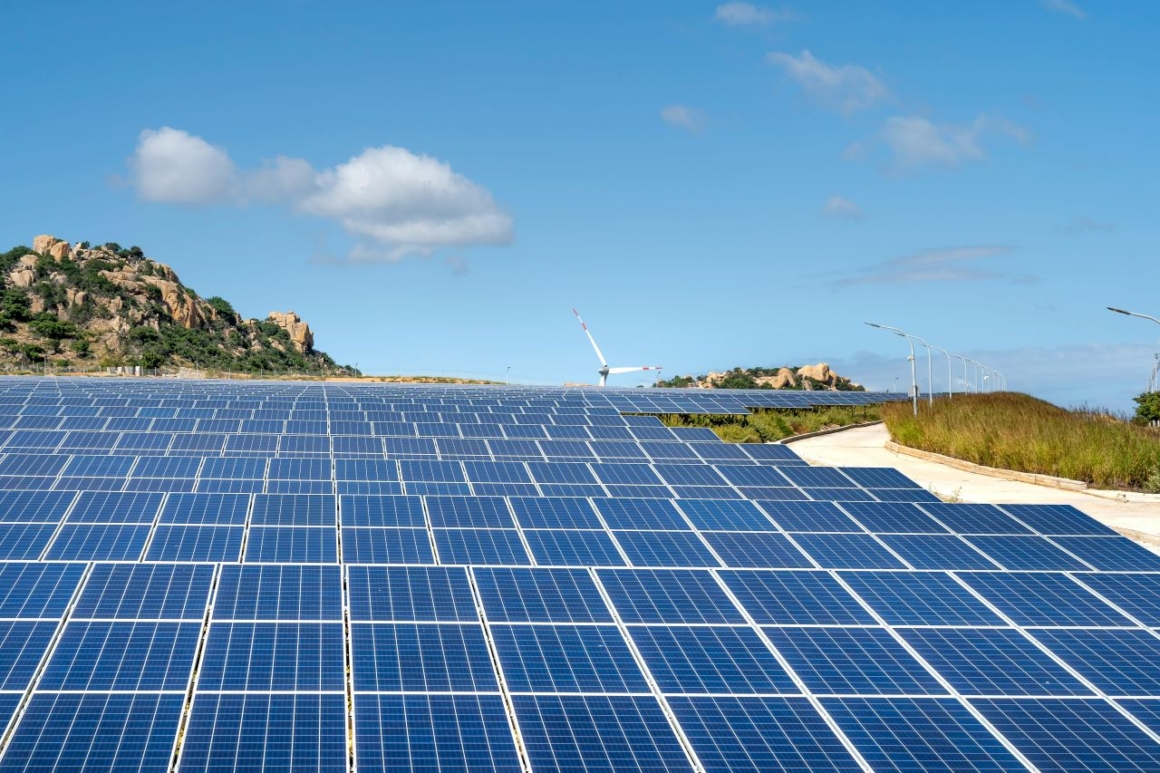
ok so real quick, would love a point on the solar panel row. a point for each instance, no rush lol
(322, 601)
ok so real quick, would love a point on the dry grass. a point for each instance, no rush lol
(1018, 432)
(764, 426)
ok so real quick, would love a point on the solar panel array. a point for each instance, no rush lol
(199, 575)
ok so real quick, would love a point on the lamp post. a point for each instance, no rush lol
(913, 371)
(1133, 314)
(966, 379)
(950, 381)
(929, 369)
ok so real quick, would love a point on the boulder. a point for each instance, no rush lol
(76, 297)
(820, 372)
(43, 243)
(22, 277)
(300, 333)
(782, 380)
(60, 251)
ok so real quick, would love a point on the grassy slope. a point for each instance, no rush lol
(1019, 432)
(769, 425)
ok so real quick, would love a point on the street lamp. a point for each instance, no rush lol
(1133, 314)
(913, 371)
(966, 378)
(950, 381)
(929, 370)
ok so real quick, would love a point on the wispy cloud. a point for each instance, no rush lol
(1065, 7)
(846, 88)
(917, 142)
(841, 208)
(396, 202)
(956, 264)
(1081, 224)
(684, 117)
(737, 14)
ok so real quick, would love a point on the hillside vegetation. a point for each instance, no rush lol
(768, 425)
(807, 377)
(98, 306)
(1018, 432)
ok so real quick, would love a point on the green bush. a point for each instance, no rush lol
(15, 304)
(1147, 407)
(46, 325)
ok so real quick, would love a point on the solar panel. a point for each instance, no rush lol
(367, 575)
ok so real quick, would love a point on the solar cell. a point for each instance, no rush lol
(1120, 662)
(542, 595)
(559, 547)
(279, 593)
(920, 598)
(129, 656)
(290, 656)
(795, 597)
(668, 596)
(397, 593)
(1040, 598)
(421, 657)
(710, 659)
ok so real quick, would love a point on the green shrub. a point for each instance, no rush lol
(1147, 407)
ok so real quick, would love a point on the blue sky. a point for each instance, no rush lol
(433, 187)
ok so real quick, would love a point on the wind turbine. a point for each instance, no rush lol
(605, 371)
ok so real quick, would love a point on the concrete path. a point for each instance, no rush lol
(864, 447)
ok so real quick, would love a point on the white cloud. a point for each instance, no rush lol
(917, 142)
(846, 88)
(1065, 7)
(683, 117)
(737, 14)
(840, 208)
(400, 203)
(175, 167)
(956, 264)
(855, 151)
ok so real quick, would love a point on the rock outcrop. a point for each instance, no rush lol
(119, 306)
(805, 377)
(300, 334)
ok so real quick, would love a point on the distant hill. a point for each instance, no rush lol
(104, 306)
(807, 377)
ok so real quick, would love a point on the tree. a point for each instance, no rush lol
(1147, 407)
(14, 303)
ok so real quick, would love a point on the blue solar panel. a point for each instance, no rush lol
(668, 596)
(146, 592)
(94, 543)
(410, 594)
(935, 551)
(272, 657)
(480, 546)
(558, 547)
(111, 507)
(665, 548)
(279, 593)
(1136, 594)
(847, 551)
(204, 509)
(1118, 662)
(757, 550)
(433, 732)
(34, 506)
(920, 598)
(865, 661)
(22, 646)
(919, 734)
(95, 731)
(196, 543)
(555, 513)
(809, 516)
(747, 733)
(710, 659)
(726, 515)
(469, 512)
(601, 732)
(137, 656)
(967, 518)
(992, 661)
(1037, 598)
(546, 595)
(1061, 520)
(1026, 553)
(293, 510)
(566, 658)
(421, 657)
(795, 597)
(386, 546)
(291, 544)
(641, 514)
(1064, 735)
(37, 590)
(894, 517)
(1110, 553)
(286, 732)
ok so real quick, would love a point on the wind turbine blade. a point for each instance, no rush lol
(633, 370)
(588, 333)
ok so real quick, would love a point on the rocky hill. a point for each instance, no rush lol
(100, 306)
(808, 377)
